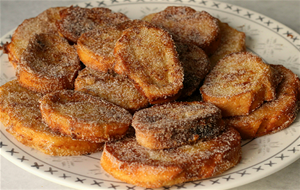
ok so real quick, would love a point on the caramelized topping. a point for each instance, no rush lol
(76, 20)
(147, 55)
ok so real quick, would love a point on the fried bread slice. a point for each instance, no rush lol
(95, 48)
(232, 41)
(147, 55)
(174, 124)
(240, 83)
(43, 23)
(275, 115)
(48, 63)
(83, 116)
(77, 20)
(149, 17)
(196, 66)
(132, 23)
(128, 161)
(112, 87)
(20, 114)
(189, 26)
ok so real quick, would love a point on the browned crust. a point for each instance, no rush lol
(84, 117)
(20, 114)
(148, 17)
(239, 84)
(40, 84)
(174, 124)
(189, 26)
(132, 23)
(232, 41)
(126, 160)
(4, 48)
(43, 23)
(112, 87)
(95, 48)
(147, 55)
(49, 63)
(196, 66)
(275, 115)
(77, 20)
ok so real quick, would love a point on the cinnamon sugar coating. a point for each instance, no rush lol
(84, 116)
(130, 162)
(48, 63)
(77, 20)
(174, 124)
(96, 47)
(132, 23)
(240, 83)
(112, 87)
(20, 114)
(147, 55)
(189, 26)
(275, 115)
(43, 23)
(232, 41)
(196, 66)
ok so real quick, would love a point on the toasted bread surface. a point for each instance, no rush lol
(174, 124)
(48, 63)
(95, 48)
(84, 116)
(132, 23)
(232, 41)
(149, 17)
(20, 114)
(240, 83)
(77, 20)
(189, 26)
(196, 66)
(147, 55)
(275, 115)
(43, 23)
(128, 161)
(112, 87)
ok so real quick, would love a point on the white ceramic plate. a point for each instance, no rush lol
(271, 40)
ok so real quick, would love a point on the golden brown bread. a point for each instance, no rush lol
(196, 66)
(174, 124)
(84, 116)
(112, 87)
(147, 55)
(240, 83)
(20, 114)
(77, 20)
(48, 63)
(43, 23)
(130, 162)
(232, 41)
(148, 17)
(189, 26)
(132, 23)
(95, 48)
(275, 115)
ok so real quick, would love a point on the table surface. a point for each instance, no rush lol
(12, 13)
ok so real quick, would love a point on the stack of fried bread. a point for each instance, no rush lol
(173, 143)
(255, 98)
(92, 77)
